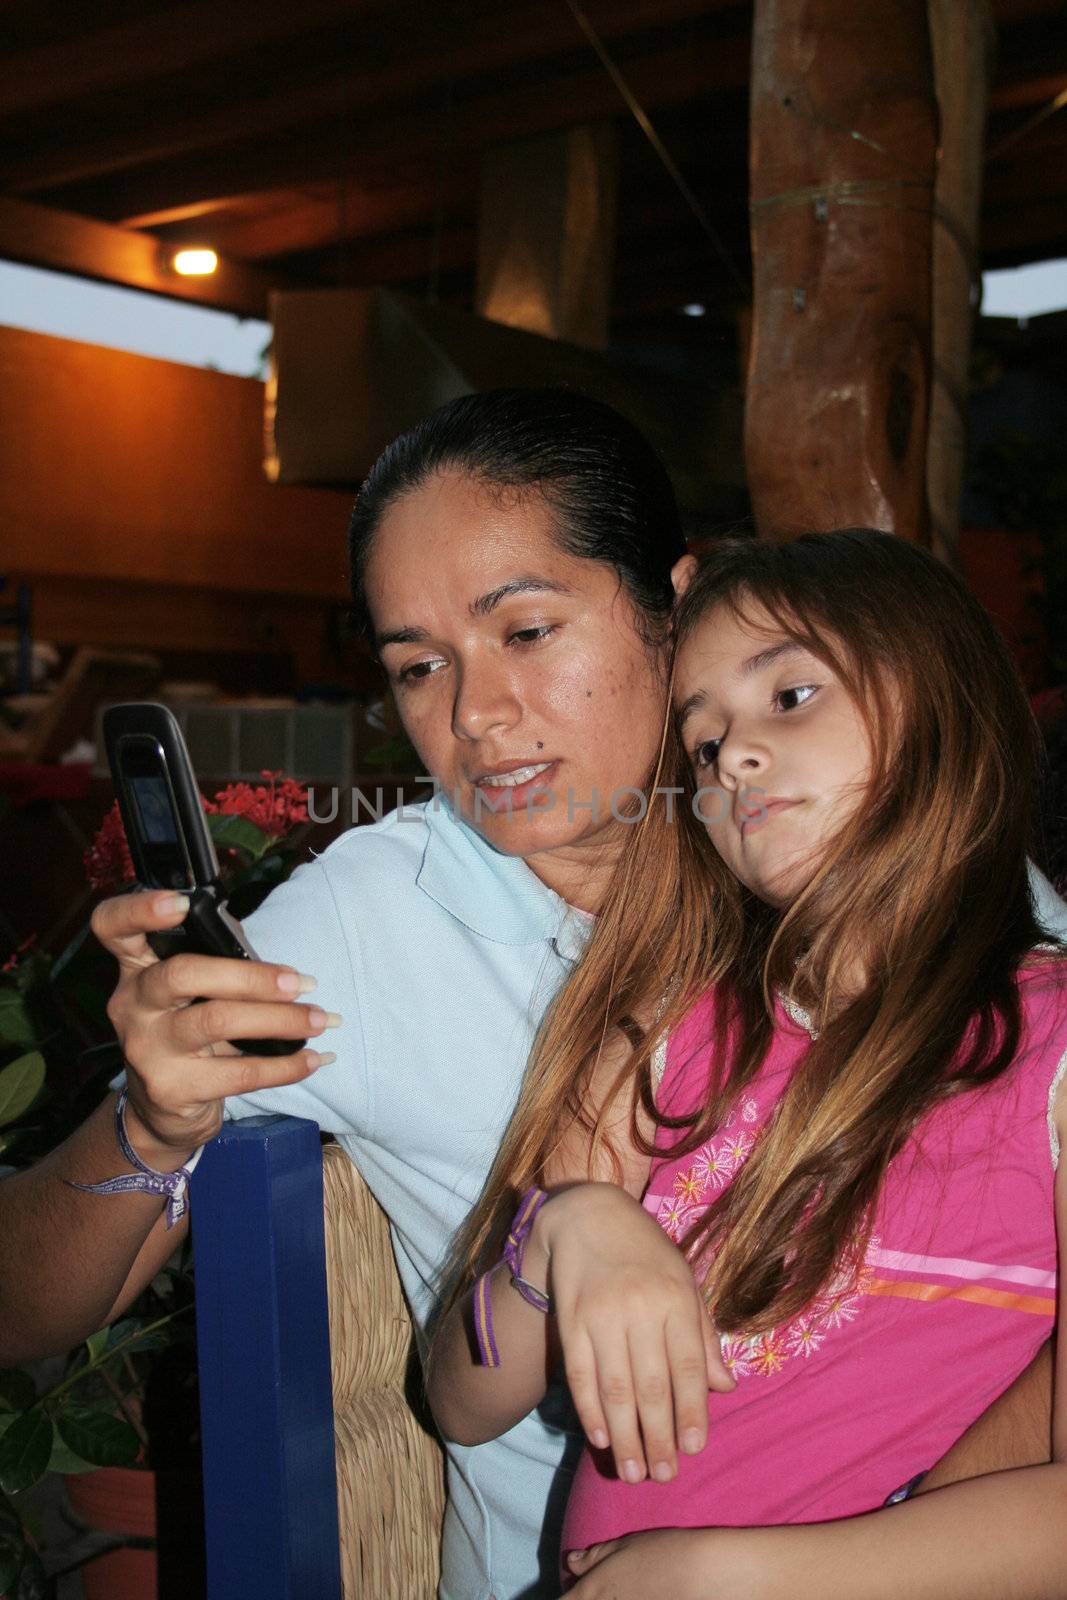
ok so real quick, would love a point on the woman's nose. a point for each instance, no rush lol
(484, 701)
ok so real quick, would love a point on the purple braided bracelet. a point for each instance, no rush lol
(514, 1250)
(174, 1185)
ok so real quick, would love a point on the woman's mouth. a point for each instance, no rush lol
(508, 790)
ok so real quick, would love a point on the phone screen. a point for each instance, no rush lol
(154, 809)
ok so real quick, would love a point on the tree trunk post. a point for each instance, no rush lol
(843, 149)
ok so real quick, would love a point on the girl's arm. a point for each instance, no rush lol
(638, 1348)
(1005, 1533)
(628, 1323)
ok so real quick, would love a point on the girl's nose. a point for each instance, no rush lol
(741, 758)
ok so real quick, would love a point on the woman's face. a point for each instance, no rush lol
(518, 673)
(778, 744)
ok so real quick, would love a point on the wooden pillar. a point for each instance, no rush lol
(962, 37)
(843, 147)
(546, 234)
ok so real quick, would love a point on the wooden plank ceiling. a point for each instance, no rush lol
(327, 141)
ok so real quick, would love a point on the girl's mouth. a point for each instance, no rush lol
(763, 813)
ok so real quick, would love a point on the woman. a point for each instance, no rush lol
(512, 562)
(515, 560)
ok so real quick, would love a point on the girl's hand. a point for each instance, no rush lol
(180, 1063)
(639, 1350)
(676, 1559)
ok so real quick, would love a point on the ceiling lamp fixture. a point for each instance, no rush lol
(198, 263)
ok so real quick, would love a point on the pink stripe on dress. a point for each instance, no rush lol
(957, 1267)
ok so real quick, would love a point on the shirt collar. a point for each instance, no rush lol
(496, 896)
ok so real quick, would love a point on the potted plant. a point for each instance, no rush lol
(121, 1415)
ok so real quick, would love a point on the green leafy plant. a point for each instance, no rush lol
(127, 1395)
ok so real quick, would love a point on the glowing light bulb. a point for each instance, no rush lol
(195, 263)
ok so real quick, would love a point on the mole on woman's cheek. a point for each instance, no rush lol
(589, 694)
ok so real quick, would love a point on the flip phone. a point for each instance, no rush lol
(170, 845)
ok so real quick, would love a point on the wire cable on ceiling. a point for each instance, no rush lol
(1049, 109)
(644, 122)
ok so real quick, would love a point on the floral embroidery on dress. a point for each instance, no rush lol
(736, 1355)
(675, 1216)
(688, 1186)
(838, 1310)
(713, 1165)
(769, 1353)
(764, 1354)
(739, 1148)
(804, 1336)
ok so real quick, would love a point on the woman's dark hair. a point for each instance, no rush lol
(609, 491)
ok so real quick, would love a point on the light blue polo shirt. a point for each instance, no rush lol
(441, 955)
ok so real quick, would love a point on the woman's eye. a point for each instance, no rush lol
(418, 670)
(806, 690)
(532, 635)
(706, 753)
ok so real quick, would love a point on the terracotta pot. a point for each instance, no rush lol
(119, 1500)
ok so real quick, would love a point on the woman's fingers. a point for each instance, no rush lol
(223, 1077)
(175, 982)
(121, 922)
(181, 1062)
(196, 1028)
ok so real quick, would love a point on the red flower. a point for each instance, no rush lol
(107, 861)
(276, 808)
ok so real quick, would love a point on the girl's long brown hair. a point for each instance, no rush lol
(927, 881)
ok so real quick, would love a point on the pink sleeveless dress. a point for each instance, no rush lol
(879, 1377)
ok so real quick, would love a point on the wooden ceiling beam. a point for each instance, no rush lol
(402, 258)
(41, 237)
(163, 41)
(315, 224)
(300, 222)
(533, 34)
(408, 145)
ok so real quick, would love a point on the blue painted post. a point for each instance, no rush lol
(266, 1400)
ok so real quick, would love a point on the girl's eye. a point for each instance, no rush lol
(706, 753)
(805, 689)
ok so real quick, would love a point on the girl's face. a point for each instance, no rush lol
(518, 674)
(776, 742)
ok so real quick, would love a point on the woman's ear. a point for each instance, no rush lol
(682, 574)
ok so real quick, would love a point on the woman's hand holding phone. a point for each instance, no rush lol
(181, 1064)
(639, 1350)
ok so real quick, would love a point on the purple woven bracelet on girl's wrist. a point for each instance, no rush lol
(146, 1180)
(514, 1251)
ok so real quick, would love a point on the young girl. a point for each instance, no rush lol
(853, 1137)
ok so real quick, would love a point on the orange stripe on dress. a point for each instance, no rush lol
(1035, 1304)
